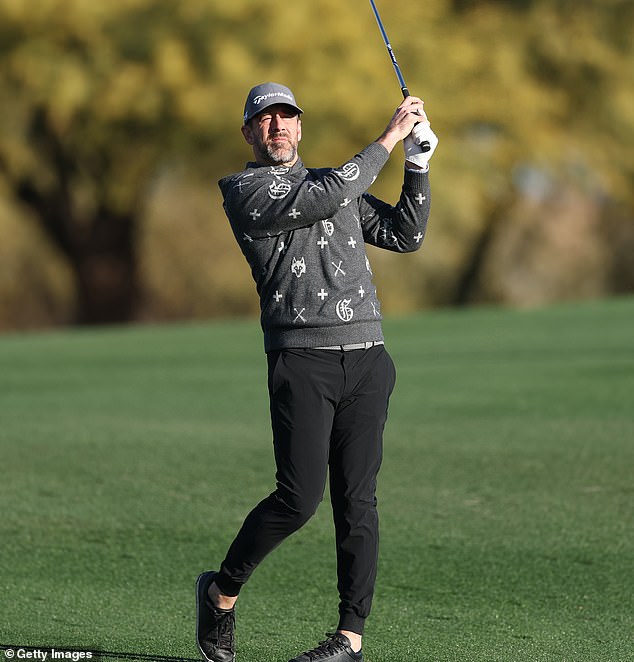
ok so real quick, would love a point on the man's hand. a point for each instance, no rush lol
(419, 146)
(409, 113)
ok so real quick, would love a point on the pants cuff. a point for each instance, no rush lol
(351, 622)
(227, 585)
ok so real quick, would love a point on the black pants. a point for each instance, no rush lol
(328, 410)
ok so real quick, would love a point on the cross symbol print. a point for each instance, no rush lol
(299, 315)
(418, 237)
(295, 213)
(277, 296)
(338, 268)
(361, 291)
(322, 242)
(254, 214)
(352, 242)
(420, 197)
(322, 294)
(345, 202)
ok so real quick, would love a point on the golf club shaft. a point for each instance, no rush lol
(397, 69)
(425, 146)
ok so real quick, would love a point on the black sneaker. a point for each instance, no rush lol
(336, 649)
(214, 627)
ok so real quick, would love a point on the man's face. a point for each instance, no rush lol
(274, 135)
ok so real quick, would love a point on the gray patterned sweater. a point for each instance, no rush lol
(303, 232)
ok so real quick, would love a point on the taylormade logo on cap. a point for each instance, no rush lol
(270, 95)
(265, 95)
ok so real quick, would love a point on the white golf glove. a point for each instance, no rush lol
(420, 145)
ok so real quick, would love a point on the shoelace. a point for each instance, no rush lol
(327, 647)
(225, 627)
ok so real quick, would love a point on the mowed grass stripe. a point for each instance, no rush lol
(130, 457)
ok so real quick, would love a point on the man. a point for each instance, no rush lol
(302, 231)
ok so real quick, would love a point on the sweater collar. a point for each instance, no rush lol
(276, 170)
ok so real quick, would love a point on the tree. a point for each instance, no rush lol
(102, 103)
(96, 97)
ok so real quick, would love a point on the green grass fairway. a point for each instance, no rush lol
(131, 456)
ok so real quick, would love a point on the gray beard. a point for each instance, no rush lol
(279, 155)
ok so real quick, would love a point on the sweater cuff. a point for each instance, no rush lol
(425, 169)
(417, 180)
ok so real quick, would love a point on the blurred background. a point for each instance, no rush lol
(118, 117)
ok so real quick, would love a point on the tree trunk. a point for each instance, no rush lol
(467, 286)
(106, 273)
(101, 252)
(100, 248)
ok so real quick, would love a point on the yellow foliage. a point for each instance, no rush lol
(133, 88)
(173, 64)
(131, 92)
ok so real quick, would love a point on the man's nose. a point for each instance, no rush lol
(276, 122)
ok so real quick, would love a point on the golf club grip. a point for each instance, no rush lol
(424, 146)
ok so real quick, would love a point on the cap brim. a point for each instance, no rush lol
(274, 102)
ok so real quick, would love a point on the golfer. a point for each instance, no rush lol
(303, 232)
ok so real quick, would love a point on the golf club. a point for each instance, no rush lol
(425, 146)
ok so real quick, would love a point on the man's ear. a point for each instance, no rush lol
(248, 134)
(299, 129)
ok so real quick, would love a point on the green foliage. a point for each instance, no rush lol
(102, 100)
